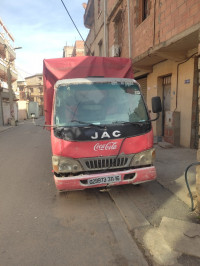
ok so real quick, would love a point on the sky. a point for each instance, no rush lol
(42, 28)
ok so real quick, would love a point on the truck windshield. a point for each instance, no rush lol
(98, 104)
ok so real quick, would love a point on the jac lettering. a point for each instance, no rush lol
(105, 134)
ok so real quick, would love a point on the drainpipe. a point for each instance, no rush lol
(105, 29)
(129, 30)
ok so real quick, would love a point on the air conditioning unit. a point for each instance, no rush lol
(115, 50)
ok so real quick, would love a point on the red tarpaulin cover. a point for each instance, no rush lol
(80, 67)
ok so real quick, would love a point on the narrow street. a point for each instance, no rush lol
(39, 226)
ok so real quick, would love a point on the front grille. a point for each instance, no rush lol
(99, 163)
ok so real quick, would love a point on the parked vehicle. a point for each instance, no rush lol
(101, 132)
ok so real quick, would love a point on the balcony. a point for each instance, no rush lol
(2, 45)
(3, 69)
(89, 14)
(177, 49)
(5, 44)
(11, 51)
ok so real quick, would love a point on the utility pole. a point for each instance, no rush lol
(9, 81)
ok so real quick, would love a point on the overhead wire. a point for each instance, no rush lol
(21, 69)
(75, 26)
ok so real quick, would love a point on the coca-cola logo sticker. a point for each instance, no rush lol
(105, 147)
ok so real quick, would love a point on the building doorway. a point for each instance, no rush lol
(166, 100)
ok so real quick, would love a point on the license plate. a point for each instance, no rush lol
(104, 180)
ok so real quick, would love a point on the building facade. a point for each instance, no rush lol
(76, 50)
(30, 90)
(8, 77)
(34, 90)
(67, 51)
(162, 38)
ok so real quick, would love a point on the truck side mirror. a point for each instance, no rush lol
(156, 104)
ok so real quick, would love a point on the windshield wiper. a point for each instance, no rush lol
(139, 123)
(86, 123)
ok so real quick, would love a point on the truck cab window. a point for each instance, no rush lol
(99, 103)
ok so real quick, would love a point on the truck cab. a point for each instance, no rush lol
(101, 134)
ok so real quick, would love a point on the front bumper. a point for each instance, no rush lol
(132, 176)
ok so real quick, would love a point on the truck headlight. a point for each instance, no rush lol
(65, 165)
(144, 158)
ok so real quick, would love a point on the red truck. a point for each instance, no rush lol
(101, 132)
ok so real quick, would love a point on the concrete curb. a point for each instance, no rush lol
(4, 128)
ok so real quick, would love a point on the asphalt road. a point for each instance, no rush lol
(39, 226)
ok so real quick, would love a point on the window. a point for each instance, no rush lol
(118, 37)
(145, 9)
(142, 10)
(99, 103)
